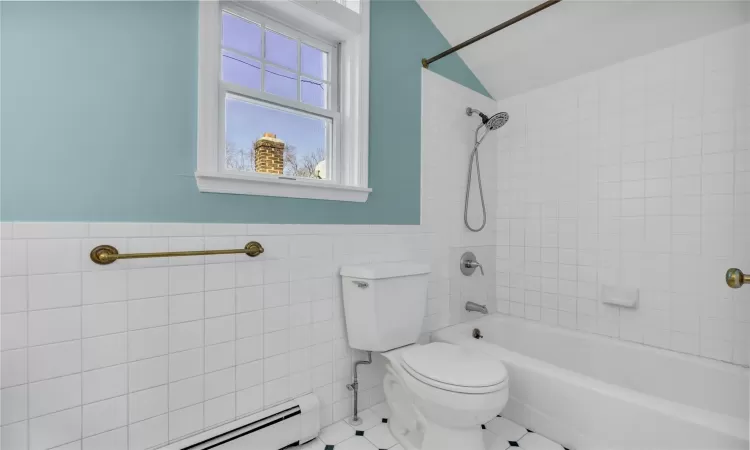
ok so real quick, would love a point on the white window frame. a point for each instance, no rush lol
(320, 22)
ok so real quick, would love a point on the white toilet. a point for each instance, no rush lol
(439, 394)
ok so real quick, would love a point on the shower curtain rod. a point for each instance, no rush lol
(426, 62)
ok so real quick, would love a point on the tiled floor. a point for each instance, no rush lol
(373, 434)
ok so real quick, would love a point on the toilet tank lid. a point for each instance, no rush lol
(385, 270)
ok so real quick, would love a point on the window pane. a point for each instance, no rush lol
(314, 62)
(281, 82)
(281, 50)
(240, 70)
(240, 34)
(314, 92)
(305, 138)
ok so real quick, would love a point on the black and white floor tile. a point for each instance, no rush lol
(373, 434)
(502, 434)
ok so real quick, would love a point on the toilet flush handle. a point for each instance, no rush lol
(360, 284)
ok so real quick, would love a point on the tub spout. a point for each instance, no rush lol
(476, 307)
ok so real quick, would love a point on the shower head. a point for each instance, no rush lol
(492, 123)
(497, 121)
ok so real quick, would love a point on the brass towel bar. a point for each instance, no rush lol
(106, 254)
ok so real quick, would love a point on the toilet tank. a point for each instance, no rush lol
(384, 304)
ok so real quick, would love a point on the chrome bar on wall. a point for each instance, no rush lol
(107, 254)
(427, 61)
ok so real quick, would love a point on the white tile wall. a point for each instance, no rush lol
(633, 176)
(139, 353)
(447, 142)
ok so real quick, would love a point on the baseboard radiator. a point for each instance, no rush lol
(282, 426)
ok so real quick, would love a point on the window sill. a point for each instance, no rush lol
(270, 186)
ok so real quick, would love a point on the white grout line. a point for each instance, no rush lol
(127, 357)
(169, 353)
(28, 385)
(80, 372)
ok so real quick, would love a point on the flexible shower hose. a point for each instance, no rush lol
(474, 157)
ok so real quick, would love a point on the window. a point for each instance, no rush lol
(277, 127)
(278, 89)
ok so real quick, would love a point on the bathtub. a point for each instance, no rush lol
(590, 392)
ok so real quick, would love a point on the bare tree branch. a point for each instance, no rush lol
(291, 166)
(239, 158)
(243, 159)
(311, 162)
(304, 166)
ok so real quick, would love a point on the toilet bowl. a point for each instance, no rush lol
(440, 394)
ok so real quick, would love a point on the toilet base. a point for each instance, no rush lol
(417, 431)
(410, 440)
(438, 438)
(424, 417)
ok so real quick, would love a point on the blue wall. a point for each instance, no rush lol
(99, 117)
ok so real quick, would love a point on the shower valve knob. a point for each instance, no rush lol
(469, 264)
(474, 264)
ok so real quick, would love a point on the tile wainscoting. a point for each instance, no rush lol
(139, 353)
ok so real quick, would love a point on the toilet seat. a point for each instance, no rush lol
(453, 368)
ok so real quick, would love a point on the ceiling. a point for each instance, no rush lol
(572, 37)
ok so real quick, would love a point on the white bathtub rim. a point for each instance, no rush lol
(691, 387)
(738, 369)
(720, 423)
